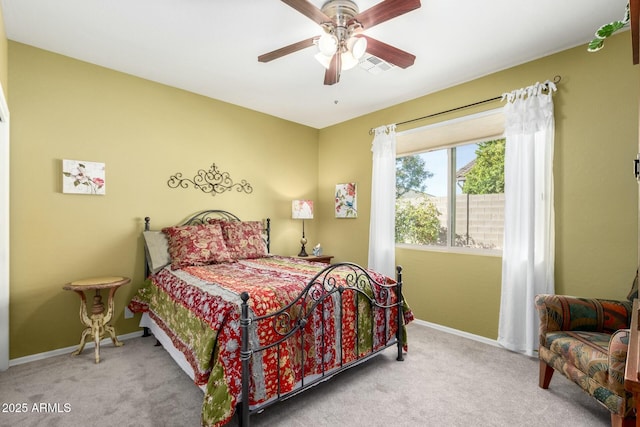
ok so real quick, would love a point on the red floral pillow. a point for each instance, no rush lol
(196, 245)
(219, 221)
(244, 239)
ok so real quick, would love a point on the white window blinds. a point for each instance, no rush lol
(476, 127)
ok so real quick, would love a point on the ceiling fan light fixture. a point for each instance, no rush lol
(357, 46)
(327, 45)
(354, 50)
(349, 61)
(324, 60)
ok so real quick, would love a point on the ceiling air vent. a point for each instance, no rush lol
(374, 65)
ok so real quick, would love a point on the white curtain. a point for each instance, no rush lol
(382, 255)
(529, 232)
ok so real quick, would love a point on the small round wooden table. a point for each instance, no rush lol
(98, 322)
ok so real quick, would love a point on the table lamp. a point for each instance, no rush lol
(302, 209)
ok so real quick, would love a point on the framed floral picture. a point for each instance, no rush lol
(80, 177)
(346, 200)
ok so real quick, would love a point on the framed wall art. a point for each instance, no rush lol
(80, 177)
(346, 200)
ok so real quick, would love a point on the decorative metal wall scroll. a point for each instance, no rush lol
(211, 181)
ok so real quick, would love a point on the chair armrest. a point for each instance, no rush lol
(567, 313)
(618, 349)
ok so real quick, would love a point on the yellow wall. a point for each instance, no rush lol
(596, 111)
(144, 132)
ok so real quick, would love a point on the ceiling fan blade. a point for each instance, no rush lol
(388, 53)
(384, 11)
(332, 75)
(309, 10)
(287, 50)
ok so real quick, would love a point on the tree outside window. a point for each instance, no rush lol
(461, 209)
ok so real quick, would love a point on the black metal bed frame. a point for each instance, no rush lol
(204, 216)
(324, 286)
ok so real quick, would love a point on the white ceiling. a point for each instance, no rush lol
(210, 47)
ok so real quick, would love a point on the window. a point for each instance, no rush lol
(453, 195)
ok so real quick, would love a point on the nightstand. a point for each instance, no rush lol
(97, 322)
(320, 258)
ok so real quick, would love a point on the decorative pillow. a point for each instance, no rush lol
(196, 245)
(156, 247)
(244, 239)
(221, 222)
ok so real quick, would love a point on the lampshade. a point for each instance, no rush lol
(327, 44)
(357, 46)
(348, 61)
(323, 59)
(302, 209)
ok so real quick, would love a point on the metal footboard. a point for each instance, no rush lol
(336, 285)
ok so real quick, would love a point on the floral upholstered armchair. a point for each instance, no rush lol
(586, 340)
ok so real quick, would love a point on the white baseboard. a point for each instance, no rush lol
(458, 332)
(107, 341)
(68, 350)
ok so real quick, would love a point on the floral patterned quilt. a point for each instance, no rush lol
(199, 309)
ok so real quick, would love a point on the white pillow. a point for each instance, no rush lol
(156, 246)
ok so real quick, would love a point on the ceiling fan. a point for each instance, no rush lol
(342, 43)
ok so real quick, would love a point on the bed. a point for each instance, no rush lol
(251, 328)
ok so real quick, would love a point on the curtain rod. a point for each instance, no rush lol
(556, 80)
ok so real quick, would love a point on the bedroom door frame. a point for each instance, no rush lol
(4, 231)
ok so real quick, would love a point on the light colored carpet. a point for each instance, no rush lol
(445, 380)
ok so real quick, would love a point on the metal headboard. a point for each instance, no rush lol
(204, 216)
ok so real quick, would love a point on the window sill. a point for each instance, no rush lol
(452, 250)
